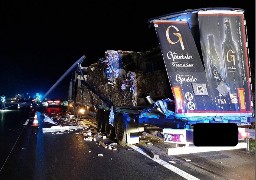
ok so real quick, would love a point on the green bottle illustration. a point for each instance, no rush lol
(230, 57)
(214, 60)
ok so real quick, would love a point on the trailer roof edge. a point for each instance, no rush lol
(190, 11)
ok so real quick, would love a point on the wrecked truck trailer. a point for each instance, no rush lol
(199, 74)
(127, 95)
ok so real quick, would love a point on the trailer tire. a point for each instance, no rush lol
(76, 112)
(99, 117)
(104, 120)
(121, 131)
(110, 131)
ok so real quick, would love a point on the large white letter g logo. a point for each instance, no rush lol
(175, 34)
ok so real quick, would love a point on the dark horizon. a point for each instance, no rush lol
(40, 40)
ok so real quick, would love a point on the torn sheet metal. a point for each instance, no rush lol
(159, 107)
(49, 120)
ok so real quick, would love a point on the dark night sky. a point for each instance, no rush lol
(40, 40)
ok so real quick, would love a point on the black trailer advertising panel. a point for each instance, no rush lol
(184, 66)
(218, 81)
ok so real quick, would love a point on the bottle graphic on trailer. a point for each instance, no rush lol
(213, 60)
(230, 57)
(219, 90)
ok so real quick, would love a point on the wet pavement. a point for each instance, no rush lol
(84, 153)
(68, 155)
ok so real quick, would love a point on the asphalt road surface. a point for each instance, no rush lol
(76, 155)
(68, 156)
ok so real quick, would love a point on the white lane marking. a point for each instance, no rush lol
(26, 123)
(166, 165)
(11, 150)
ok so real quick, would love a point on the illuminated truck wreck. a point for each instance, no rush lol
(199, 74)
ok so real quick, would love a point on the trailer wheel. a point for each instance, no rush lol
(121, 131)
(99, 117)
(76, 112)
(110, 130)
(104, 121)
